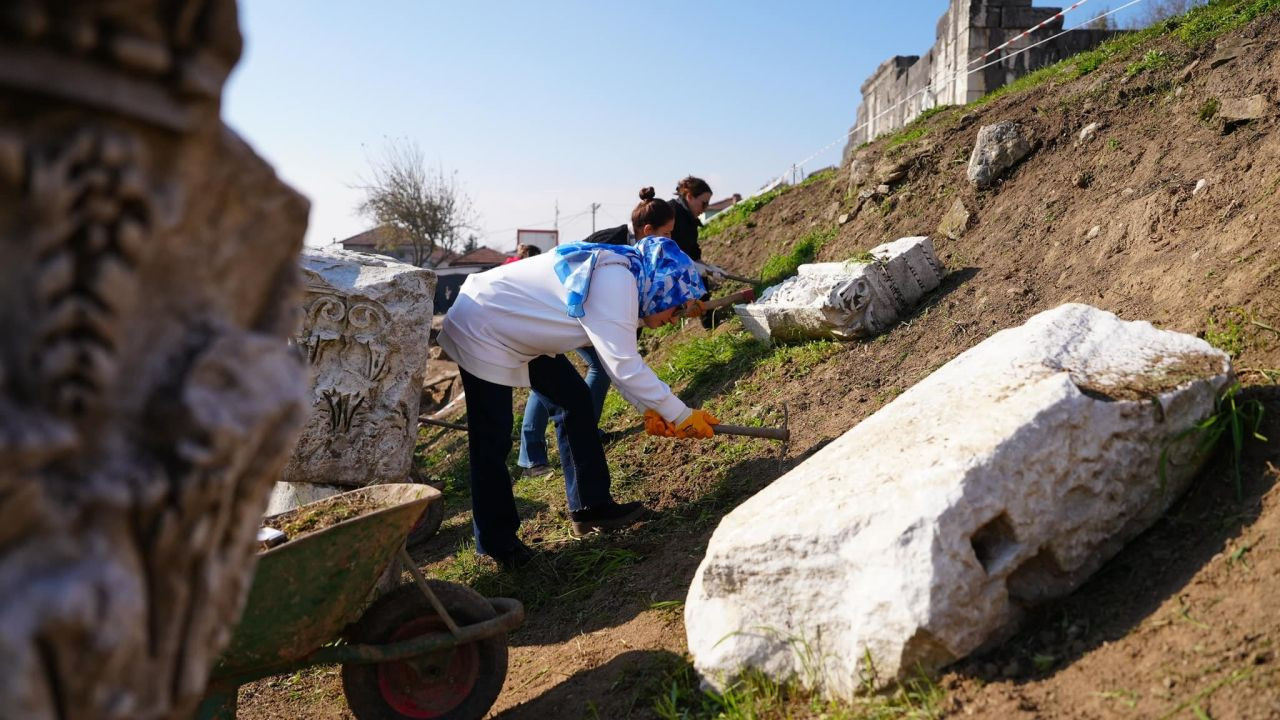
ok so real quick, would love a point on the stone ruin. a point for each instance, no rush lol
(148, 397)
(849, 300)
(1002, 480)
(967, 30)
(366, 323)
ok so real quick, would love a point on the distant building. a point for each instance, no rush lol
(906, 85)
(719, 206)
(390, 241)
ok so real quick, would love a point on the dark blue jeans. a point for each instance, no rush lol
(533, 431)
(489, 419)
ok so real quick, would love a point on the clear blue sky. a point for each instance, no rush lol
(562, 100)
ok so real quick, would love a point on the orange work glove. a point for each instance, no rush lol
(699, 424)
(691, 309)
(655, 425)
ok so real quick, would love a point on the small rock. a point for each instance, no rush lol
(1245, 108)
(883, 189)
(1185, 75)
(998, 148)
(904, 196)
(832, 210)
(1082, 179)
(844, 218)
(956, 221)
(1127, 192)
(866, 195)
(1088, 132)
(1093, 232)
(1201, 186)
(1227, 52)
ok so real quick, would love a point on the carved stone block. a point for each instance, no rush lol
(148, 398)
(849, 300)
(366, 326)
(1002, 480)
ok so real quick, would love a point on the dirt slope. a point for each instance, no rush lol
(1180, 624)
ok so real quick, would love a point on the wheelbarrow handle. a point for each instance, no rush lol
(761, 432)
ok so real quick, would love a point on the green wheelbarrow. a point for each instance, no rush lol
(429, 649)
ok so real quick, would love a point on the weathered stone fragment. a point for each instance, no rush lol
(1003, 479)
(847, 300)
(1087, 132)
(956, 221)
(365, 331)
(148, 396)
(1245, 108)
(998, 148)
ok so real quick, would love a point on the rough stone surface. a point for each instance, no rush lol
(148, 396)
(1087, 132)
(365, 331)
(847, 300)
(956, 221)
(286, 496)
(998, 148)
(1245, 108)
(1003, 479)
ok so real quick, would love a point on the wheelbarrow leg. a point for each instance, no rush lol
(218, 705)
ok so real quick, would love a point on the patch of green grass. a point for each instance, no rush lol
(1232, 419)
(1209, 110)
(1153, 60)
(707, 361)
(1113, 144)
(1206, 22)
(821, 175)
(1225, 331)
(780, 267)
(740, 212)
(756, 696)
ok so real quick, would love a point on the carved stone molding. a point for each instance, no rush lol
(148, 397)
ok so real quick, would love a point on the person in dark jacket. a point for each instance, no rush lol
(692, 197)
(693, 194)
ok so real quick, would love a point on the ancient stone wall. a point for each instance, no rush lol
(967, 30)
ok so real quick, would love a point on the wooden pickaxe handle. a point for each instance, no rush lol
(442, 423)
(742, 296)
(782, 434)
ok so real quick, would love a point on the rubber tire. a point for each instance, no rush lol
(428, 525)
(406, 604)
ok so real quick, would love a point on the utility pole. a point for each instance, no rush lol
(594, 208)
(556, 224)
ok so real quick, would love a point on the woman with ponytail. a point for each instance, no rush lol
(511, 326)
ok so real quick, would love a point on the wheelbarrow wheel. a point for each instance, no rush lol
(428, 525)
(461, 683)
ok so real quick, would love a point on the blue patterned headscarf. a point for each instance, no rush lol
(665, 276)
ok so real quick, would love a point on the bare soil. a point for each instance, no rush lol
(1180, 624)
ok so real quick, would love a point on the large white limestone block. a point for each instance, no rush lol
(1003, 479)
(365, 332)
(847, 300)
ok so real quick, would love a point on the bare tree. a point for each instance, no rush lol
(1158, 10)
(424, 206)
(1102, 21)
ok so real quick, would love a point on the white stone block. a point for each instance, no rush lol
(365, 332)
(286, 496)
(1003, 479)
(847, 300)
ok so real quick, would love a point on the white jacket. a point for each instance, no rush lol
(505, 317)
